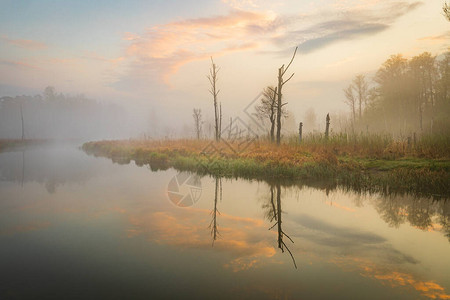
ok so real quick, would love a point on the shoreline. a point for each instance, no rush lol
(406, 175)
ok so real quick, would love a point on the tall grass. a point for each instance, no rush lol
(382, 146)
(362, 162)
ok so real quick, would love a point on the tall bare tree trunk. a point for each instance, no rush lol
(280, 85)
(281, 82)
(214, 92)
(197, 114)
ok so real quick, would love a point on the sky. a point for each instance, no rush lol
(153, 56)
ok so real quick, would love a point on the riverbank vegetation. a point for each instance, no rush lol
(14, 144)
(371, 163)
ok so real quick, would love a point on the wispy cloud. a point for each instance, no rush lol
(348, 24)
(441, 38)
(25, 44)
(96, 57)
(16, 63)
(161, 50)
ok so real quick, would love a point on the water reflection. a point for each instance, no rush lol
(46, 164)
(213, 225)
(423, 213)
(379, 247)
(275, 214)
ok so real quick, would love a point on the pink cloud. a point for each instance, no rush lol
(165, 48)
(25, 44)
(19, 64)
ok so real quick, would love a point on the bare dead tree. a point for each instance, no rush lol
(198, 123)
(267, 109)
(361, 88)
(281, 82)
(351, 101)
(212, 77)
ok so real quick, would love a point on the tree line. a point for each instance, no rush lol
(53, 115)
(405, 96)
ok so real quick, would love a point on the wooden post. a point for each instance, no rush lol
(327, 128)
(300, 126)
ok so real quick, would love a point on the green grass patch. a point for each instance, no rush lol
(415, 175)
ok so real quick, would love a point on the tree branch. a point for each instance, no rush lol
(295, 51)
(287, 236)
(292, 256)
(273, 225)
(287, 79)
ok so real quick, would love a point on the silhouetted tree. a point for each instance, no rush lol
(393, 88)
(197, 114)
(212, 77)
(356, 94)
(423, 76)
(351, 101)
(361, 88)
(267, 109)
(281, 82)
(49, 93)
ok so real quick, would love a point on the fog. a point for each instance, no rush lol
(405, 97)
(52, 115)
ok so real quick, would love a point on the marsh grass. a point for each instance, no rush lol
(374, 163)
(13, 144)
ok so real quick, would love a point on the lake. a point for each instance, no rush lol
(74, 226)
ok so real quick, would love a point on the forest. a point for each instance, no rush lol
(406, 96)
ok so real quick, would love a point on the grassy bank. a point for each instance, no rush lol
(385, 170)
(9, 144)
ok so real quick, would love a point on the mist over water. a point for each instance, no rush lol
(227, 149)
(73, 225)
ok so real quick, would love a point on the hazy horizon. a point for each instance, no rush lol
(153, 57)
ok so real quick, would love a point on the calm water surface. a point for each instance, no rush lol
(73, 226)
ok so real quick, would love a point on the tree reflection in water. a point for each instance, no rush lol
(275, 214)
(213, 225)
(423, 213)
